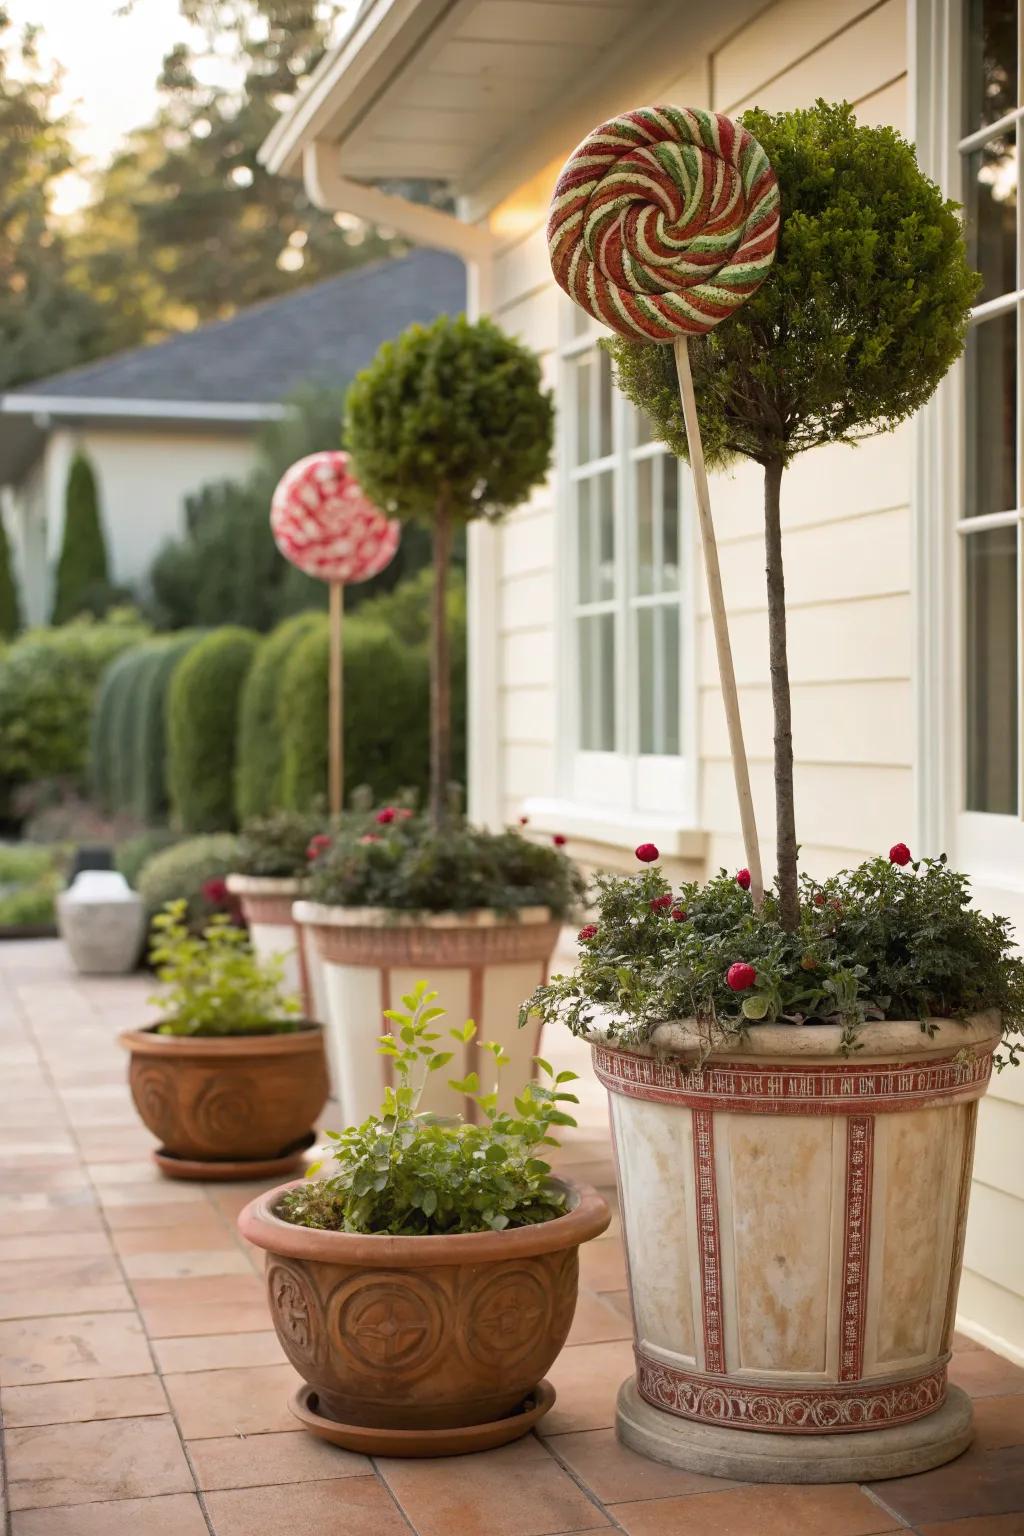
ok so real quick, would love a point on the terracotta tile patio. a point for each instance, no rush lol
(143, 1392)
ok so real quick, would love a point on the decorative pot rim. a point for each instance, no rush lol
(146, 1042)
(880, 1040)
(316, 913)
(265, 885)
(259, 1223)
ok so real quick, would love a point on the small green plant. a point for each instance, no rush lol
(415, 1175)
(892, 939)
(213, 984)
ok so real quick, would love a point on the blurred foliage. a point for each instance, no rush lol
(202, 726)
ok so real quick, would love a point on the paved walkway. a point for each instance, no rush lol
(144, 1393)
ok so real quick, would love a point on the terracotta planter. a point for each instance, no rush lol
(240, 1098)
(423, 1333)
(481, 965)
(794, 1224)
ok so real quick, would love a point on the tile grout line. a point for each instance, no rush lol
(101, 1208)
(887, 1510)
(392, 1495)
(587, 1492)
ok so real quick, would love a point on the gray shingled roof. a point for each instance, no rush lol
(324, 333)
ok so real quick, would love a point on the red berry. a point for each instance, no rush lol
(647, 853)
(386, 815)
(741, 976)
(678, 915)
(899, 853)
(743, 879)
(587, 932)
(559, 840)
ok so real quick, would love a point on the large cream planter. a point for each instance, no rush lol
(267, 906)
(794, 1226)
(481, 965)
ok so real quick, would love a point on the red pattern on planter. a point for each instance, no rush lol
(790, 1410)
(708, 1244)
(811, 1089)
(856, 1245)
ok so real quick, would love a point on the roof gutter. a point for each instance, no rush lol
(150, 410)
(335, 193)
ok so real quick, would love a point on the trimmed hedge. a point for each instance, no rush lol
(386, 688)
(147, 726)
(260, 744)
(181, 872)
(202, 728)
(109, 769)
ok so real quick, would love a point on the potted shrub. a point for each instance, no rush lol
(423, 1287)
(448, 425)
(794, 1090)
(230, 1080)
(268, 877)
(388, 894)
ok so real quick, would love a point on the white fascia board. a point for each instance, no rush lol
(146, 410)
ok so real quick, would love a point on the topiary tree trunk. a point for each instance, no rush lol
(778, 662)
(440, 666)
(82, 571)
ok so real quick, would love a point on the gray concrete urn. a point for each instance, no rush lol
(102, 921)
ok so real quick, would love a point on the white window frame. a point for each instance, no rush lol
(990, 846)
(623, 784)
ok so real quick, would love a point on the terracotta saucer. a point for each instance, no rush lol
(422, 1442)
(173, 1167)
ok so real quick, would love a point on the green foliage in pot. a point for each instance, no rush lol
(202, 725)
(395, 858)
(413, 1175)
(194, 870)
(260, 734)
(83, 574)
(891, 939)
(10, 606)
(277, 846)
(48, 682)
(862, 313)
(212, 983)
(447, 425)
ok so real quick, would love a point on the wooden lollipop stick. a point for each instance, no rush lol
(719, 621)
(334, 714)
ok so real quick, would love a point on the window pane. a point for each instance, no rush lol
(647, 662)
(992, 725)
(670, 676)
(658, 679)
(992, 416)
(584, 373)
(670, 524)
(596, 548)
(990, 57)
(644, 472)
(991, 215)
(596, 643)
(604, 414)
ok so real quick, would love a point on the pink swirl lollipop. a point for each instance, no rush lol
(324, 523)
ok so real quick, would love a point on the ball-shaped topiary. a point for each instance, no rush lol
(863, 311)
(448, 424)
(202, 727)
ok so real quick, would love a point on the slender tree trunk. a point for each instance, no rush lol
(440, 668)
(785, 816)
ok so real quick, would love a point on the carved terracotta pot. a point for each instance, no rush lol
(420, 1333)
(794, 1225)
(482, 966)
(233, 1098)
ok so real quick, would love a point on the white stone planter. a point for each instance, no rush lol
(102, 921)
(481, 965)
(794, 1225)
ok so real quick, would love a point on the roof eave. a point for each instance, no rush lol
(77, 406)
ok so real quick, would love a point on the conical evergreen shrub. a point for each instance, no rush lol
(82, 571)
(10, 608)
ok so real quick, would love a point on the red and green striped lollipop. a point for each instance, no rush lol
(663, 221)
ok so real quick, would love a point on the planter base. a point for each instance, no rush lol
(422, 1442)
(173, 1167)
(758, 1457)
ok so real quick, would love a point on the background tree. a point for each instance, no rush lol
(83, 576)
(10, 608)
(448, 424)
(863, 311)
(46, 323)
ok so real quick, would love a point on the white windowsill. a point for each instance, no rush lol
(615, 828)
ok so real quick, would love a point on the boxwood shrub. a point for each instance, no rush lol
(194, 871)
(202, 728)
(260, 745)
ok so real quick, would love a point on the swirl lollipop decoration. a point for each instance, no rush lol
(662, 223)
(324, 523)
